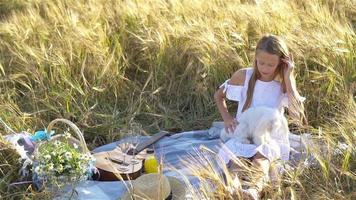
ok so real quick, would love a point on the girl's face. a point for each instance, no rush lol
(267, 64)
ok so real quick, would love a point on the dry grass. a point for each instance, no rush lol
(105, 63)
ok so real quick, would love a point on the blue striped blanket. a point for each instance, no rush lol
(175, 148)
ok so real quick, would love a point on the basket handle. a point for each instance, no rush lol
(74, 128)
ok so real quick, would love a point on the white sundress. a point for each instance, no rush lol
(267, 94)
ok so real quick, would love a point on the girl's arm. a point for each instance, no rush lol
(294, 97)
(230, 122)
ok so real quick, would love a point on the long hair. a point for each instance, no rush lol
(273, 45)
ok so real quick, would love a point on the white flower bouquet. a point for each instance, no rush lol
(63, 160)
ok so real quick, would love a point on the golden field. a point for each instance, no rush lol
(105, 63)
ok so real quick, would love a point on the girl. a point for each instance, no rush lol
(270, 82)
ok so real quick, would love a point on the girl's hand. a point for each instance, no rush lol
(230, 124)
(288, 66)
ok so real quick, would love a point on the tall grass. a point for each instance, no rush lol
(105, 63)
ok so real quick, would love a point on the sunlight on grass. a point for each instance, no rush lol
(105, 63)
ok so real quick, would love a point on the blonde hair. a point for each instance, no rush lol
(273, 45)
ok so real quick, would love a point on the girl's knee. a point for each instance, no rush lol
(261, 162)
(259, 156)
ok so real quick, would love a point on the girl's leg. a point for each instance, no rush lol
(262, 164)
(234, 170)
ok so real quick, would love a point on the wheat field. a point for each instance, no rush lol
(105, 63)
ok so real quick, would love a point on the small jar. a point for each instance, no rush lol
(151, 164)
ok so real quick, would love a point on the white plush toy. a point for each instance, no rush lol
(257, 125)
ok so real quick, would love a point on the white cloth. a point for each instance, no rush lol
(273, 151)
(174, 148)
(268, 94)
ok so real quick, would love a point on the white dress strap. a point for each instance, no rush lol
(248, 75)
(232, 92)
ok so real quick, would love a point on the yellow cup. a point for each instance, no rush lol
(151, 164)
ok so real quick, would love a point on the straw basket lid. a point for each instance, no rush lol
(155, 186)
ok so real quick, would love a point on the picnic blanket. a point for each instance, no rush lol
(173, 149)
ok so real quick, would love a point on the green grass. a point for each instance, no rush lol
(103, 64)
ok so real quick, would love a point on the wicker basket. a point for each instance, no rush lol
(81, 142)
(82, 147)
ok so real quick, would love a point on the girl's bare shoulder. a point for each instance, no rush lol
(238, 78)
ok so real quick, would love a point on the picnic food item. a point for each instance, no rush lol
(151, 164)
(117, 165)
